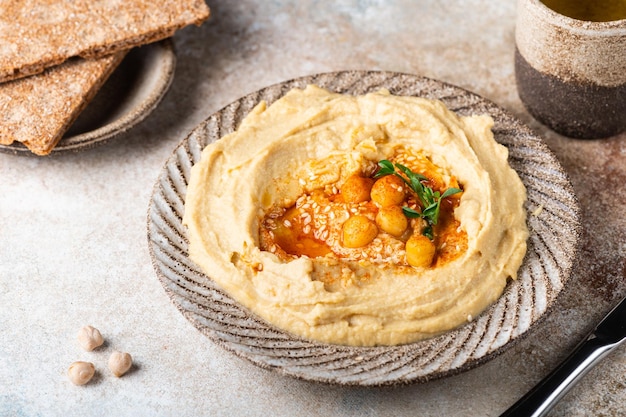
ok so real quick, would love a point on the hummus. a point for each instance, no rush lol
(266, 217)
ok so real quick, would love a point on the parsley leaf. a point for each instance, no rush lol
(386, 168)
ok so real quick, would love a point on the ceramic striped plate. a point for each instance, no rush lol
(553, 220)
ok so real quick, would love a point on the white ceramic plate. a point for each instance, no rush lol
(130, 94)
(553, 220)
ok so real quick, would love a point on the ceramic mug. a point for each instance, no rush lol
(570, 72)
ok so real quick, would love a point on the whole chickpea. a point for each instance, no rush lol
(391, 219)
(420, 251)
(388, 191)
(90, 338)
(358, 231)
(356, 189)
(120, 363)
(81, 372)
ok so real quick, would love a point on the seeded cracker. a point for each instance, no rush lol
(39, 109)
(35, 35)
(45, 38)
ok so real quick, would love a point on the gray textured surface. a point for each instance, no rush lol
(74, 247)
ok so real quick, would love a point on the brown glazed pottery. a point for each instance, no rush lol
(570, 73)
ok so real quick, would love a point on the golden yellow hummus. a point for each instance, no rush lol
(306, 145)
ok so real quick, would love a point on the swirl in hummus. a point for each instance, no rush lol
(268, 207)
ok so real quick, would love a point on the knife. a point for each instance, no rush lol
(608, 335)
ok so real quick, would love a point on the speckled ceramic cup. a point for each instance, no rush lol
(570, 73)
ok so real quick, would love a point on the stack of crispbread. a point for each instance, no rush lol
(55, 55)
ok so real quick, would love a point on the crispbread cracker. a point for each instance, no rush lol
(36, 34)
(39, 109)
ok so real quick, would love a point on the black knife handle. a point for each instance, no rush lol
(540, 400)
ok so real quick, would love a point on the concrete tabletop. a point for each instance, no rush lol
(75, 252)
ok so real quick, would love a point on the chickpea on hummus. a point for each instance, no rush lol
(358, 220)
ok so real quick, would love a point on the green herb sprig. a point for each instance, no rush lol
(430, 199)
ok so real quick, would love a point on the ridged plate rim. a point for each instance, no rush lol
(553, 221)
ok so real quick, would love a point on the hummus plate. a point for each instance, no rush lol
(553, 222)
